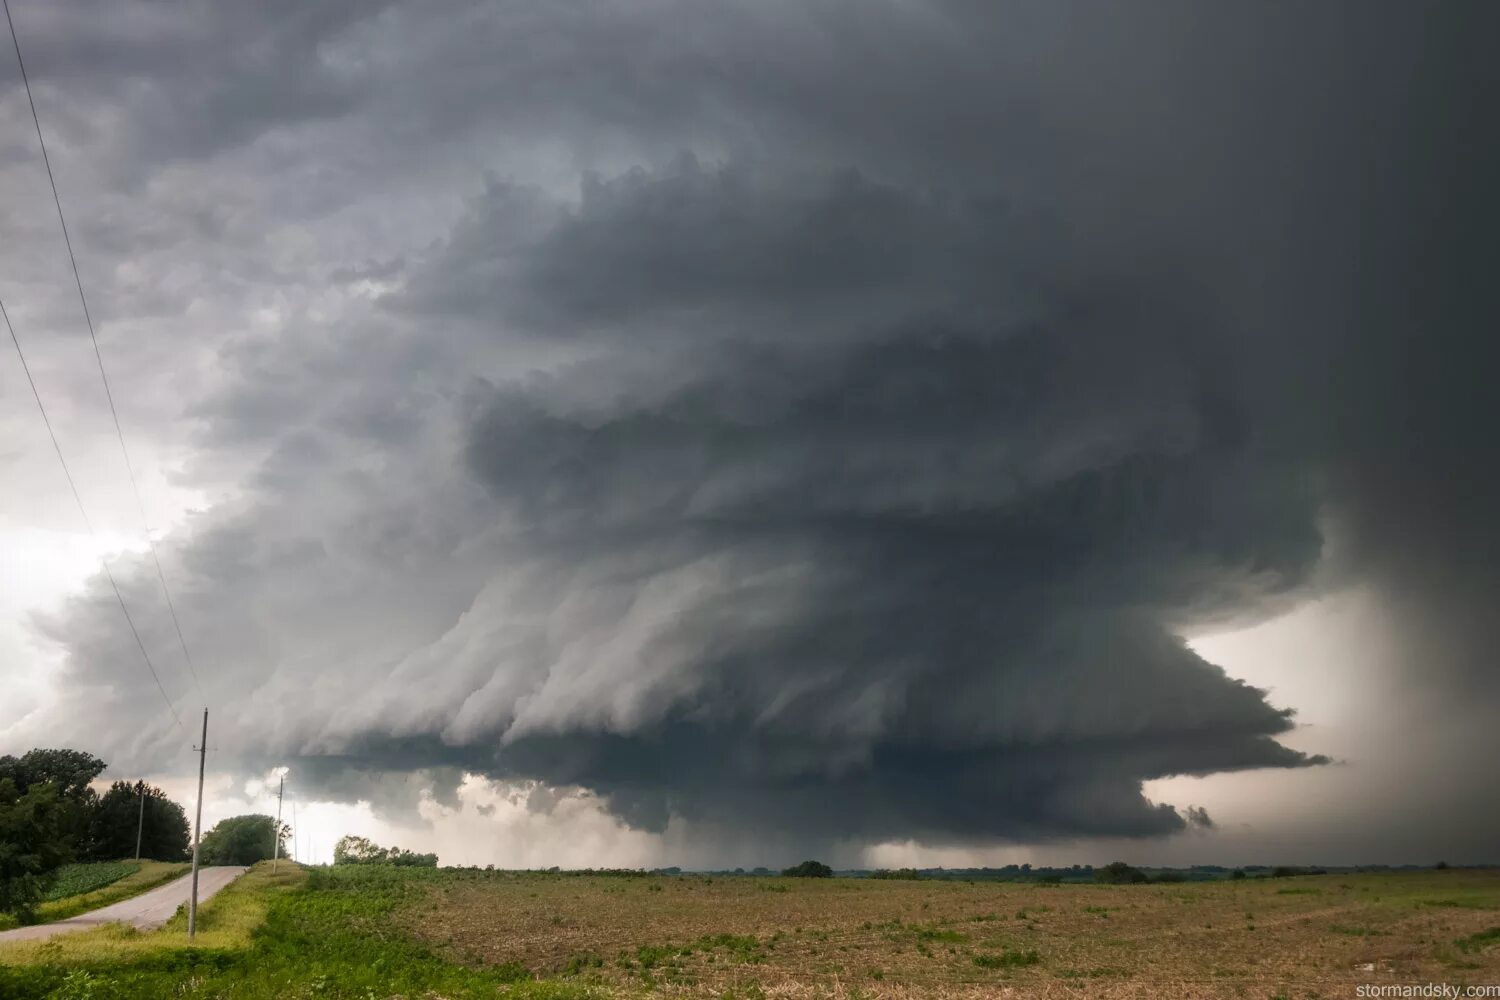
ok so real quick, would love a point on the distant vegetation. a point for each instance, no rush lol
(897, 873)
(352, 850)
(809, 869)
(1119, 873)
(243, 840)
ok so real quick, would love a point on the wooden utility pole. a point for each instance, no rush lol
(197, 830)
(276, 833)
(140, 819)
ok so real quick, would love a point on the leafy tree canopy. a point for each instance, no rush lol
(809, 869)
(352, 850)
(69, 771)
(45, 805)
(243, 840)
(31, 845)
(163, 823)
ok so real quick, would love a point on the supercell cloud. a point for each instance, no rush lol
(807, 418)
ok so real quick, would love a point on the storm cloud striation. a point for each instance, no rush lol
(842, 427)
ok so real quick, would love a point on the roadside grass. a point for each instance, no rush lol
(298, 933)
(224, 922)
(139, 877)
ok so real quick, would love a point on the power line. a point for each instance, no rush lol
(73, 486)
(98, 355)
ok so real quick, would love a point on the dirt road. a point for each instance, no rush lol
(147, 911)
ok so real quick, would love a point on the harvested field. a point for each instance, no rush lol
(735, 936)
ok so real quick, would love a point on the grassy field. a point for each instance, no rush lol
(386, 933)
(83, 887)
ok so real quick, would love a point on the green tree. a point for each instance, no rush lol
(243, 840)
(352, 850)
(809, 869)
(31, 847)
(71, 773)
(164, 824)
(45, 802)
(411, 859)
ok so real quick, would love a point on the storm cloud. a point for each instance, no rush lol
(815, 419)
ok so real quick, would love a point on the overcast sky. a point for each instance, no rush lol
(634, 433)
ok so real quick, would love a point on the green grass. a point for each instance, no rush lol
(1007, 959)
(1475, 942)
(299, 933)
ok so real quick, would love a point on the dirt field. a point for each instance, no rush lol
(1303, 937)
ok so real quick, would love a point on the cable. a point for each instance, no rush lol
(98, 356)
(73, 486)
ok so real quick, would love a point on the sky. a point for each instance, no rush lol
(718, 434)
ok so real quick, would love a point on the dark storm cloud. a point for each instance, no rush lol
(880, 446)
(193, 78)
(651, 247)
(858, 548)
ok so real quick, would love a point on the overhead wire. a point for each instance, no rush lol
(98, 355)
(78, 499)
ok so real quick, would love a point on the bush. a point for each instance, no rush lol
(1119, 873)
(1237, 874)
(809, 869)
(897, 873)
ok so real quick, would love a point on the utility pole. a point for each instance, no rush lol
(197, 830)
(276, 833)
(140, 819)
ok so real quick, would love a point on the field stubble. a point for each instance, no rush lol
(734, 936)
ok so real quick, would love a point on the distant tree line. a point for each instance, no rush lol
(352, 850)
(897, 873)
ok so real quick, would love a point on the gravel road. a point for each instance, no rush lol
(147, 911)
